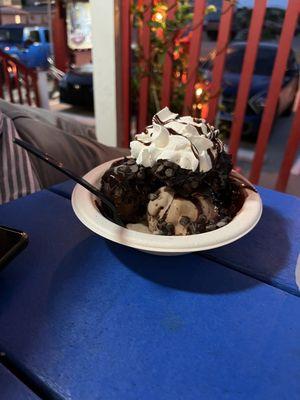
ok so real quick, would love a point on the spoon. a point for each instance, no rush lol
(59, 166)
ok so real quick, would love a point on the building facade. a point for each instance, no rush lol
(11, 3)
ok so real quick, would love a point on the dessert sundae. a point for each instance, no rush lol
(177, 181)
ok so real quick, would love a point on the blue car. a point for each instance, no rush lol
(259, 86)
(29, 45)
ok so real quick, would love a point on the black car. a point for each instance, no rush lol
(76, 87)
(259, 86)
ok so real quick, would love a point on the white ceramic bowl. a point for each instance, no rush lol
(83, 203)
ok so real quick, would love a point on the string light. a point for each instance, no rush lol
(173, 38)
(158, 17)
(210, 9)
(198, 92)
(202, 95)
(160, 13)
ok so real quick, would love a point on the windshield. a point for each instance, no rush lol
(264, 61)
(11, 35)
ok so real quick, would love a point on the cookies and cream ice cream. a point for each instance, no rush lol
(178, 215)
(177, 180)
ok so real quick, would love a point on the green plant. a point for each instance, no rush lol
(168, 38)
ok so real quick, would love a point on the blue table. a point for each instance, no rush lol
(12, 389)
(269, 253)
(63, 189)
(95, 320)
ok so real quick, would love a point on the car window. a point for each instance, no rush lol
(264, 61)
(292, 63)
(234, 59)
(11, 35)
(33, 35)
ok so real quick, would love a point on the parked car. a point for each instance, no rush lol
(29, 45)
(259, 86)
(76, 87)
(212, 20)
(274, 17)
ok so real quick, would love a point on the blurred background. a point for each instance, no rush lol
(46, 59)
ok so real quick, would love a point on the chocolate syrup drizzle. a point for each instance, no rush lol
(211, 135)
(242, 182)
(237, 182)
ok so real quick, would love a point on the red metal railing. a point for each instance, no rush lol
(167, 72)
(222, 43)
(224, 36)
(255, 29)
(290, 153)
(285, 43)
(18, 84)
(144, 41)
(194, 51)
(125, 74)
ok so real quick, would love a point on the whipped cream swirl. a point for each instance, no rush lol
(189, 142)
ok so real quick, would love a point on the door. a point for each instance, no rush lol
(35, 47)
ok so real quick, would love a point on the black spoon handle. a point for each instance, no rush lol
(60, 167)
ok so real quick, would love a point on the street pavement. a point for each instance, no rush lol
(273, 158)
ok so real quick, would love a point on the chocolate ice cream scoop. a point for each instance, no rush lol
(126, 184)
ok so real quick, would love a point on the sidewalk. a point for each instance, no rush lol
(78, 113)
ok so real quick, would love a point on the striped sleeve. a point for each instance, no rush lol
(17, 177)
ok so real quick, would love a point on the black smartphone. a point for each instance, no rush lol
(12, 242)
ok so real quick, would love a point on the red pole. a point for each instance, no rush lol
(256, 24)
(1, 80)
(144, 39)
(125, 70)
(60, 41)
(288, 30)
(168, 65)
(219, 62)
(194, 53)
(290, 153)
